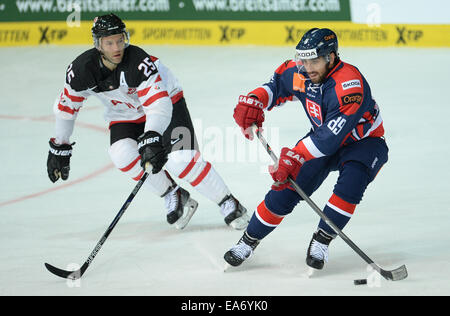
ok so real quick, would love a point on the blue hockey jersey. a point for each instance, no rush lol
(341, 109)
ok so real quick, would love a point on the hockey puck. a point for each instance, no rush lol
(360, 282)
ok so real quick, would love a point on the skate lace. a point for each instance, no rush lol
(171, 200)
(319, 251)
(242, 250)
(228, 206)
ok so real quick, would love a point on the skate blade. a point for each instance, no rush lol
(240, 223)
(191, 207)
(226, 267)
(309, 273)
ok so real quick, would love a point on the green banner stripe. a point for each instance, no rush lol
(237, 10)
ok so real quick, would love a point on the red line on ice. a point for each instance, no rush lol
(49, 118)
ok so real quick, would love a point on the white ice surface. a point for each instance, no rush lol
(404, 217)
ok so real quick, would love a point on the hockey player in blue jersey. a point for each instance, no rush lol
(346, 136)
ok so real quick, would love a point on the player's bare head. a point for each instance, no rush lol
(110, 36)
(317, 53)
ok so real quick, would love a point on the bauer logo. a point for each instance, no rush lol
(351, 84)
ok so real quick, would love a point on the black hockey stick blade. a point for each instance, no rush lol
(72, 275)
(395, 275)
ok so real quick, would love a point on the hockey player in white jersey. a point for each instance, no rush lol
(150, 126)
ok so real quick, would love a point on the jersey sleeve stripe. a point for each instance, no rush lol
(143, 92)
(67, 109)
(373, 130)
(282, 100)
(264, 94)
(177, 97)
(155, 97)
(73, 98)
(308, 150)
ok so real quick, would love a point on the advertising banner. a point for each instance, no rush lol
(250, 10)
(273, 33)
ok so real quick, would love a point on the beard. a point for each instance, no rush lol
(318, 78)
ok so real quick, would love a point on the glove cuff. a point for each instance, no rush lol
(251, 101)
(63, 150)
(292, 154)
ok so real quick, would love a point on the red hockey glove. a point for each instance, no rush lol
(289, 164)
(248, 111)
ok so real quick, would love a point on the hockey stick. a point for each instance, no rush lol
(73, 275)
(393, 275)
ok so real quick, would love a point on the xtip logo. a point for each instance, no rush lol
(405, 35)
(229, 33)
(293, 34)
(48, 35)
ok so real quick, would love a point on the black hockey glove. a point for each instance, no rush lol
(58, 161)
(151, 149)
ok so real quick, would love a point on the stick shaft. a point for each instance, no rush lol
(313, 205)
(77, 274)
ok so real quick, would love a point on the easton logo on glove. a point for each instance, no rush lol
(288, 165)
(295, 156)
(251, 101)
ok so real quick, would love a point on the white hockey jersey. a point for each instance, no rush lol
(140, 89)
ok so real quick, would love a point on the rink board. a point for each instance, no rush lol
(273, 33)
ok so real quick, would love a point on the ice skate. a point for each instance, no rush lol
(235, 214)
(241, 251)
(317, 253)
(180, 207)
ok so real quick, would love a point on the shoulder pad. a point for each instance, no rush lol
(80, 73)
(349, 90)
(348, 77)
(140, 64)
(284, 66)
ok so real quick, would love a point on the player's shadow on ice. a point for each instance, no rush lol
(140, 231)
(294, 264)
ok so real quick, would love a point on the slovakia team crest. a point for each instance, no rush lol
(314, 111)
